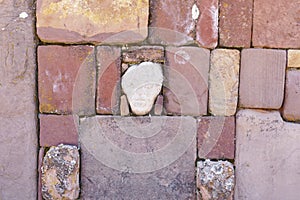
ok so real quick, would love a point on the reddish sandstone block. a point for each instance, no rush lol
(58, 129)
(136, 54)
(109, 73)
(262, 78)
(235, 23)
(216, 136)
(276, 23)
(66, 79)
(291, 106)
(171, 22)
(207, 24)
(186, 86)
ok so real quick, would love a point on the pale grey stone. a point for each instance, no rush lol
(124, 106)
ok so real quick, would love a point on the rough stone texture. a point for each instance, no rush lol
(276, 24)
(215, 180)
(138, 54)
(224, 82)
(109, 74)
(140, 157)
(262, 78)
(60, 173)
(141, 84)
(216, 136)
(291, 106)
(66, 77)
(207, 24)
(124, 107)
(186, 86)
(40, 164)
(294, 58)
(96, 21)
(267, 156)
(158, 107)
(58, 129)
(171, 22)
(18, 133)
(235, 23)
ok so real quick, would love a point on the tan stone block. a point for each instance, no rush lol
(294, 58)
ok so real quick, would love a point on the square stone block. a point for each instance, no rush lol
(58, 129)
(138, 157)
(82, 21)
(66, 79)
(294, 58)
(276, 24)
(262, 78)
(186, 81)
(216, 137)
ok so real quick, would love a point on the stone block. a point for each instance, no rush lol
(159, 107)
(58, 129)
(66, 79)
(124, 106)
(224, 82)
(294, 58)
(140, 157)
(138, 54)
(83, 21)
(262, 78)
(186, 81)
(267, 156)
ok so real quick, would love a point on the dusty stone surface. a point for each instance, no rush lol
(235, 23)
(215, 180)
(224, 82)
(66, 85)
(294, 58)
(141, 84)
(18, 133)
(186, 86)
(58, 129)
(118, 21)
(158, 107)
(216, 136)
(60, 173)
(171, 22)
(138, 54)
(207, 24)
(140, 157)
(40, 164)
(291, 106)
(276, 24)
(267, 156)
(262, 78)
(124, 107)
(109, 75)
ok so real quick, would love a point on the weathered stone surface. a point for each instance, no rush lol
(262, 78)
(171, 22)
(159, 107)
(215, 180)
(294, 58)
(18, 132)
(216, 136)
(40, 164)
(77, 21)
(109, 74)
(224, 82)
(235, 23)
(267, 156)
(124, 107)
(60, 173)
(66, 76)
(141, 84)
(58, 129)
(138, 54)
(139, 157)
(276, 24)
(291, 106)
(207, 24)
(186, 86)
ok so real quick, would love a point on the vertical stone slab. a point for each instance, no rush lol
(18, 132)
(267, 156)
(224, 82)
(207, 23)
(262, 78)
(235, 23)
(186, 84)
(294, 58)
